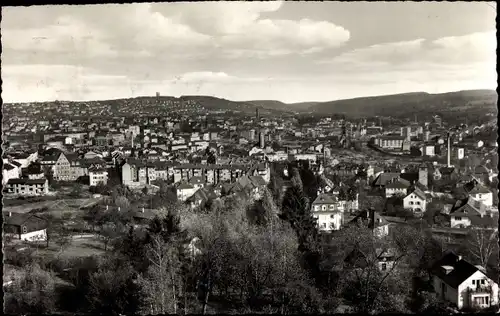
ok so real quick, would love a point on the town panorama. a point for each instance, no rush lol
(250, 157)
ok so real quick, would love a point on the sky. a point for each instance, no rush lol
(286, 51)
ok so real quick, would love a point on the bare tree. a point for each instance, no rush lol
(482, 243)
(159, 284)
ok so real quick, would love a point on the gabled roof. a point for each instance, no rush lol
(461, 270)
(31, 221)
(385, 177)
(481, 170)
(419, 193)
(479, 189)
(411, 177)
(324, 198)
(196, 180)
(15, 163)
(184, 186)
(468, 207)
(398, 184)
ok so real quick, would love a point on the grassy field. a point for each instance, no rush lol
(63, 205)
(79, 247)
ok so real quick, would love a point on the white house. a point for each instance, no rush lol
(415, 201)
(471, 212)
(325, 210)
(26, 227)
(9, 172)
(185, 191)
(482, 194)
(463, 284)
(98, 176)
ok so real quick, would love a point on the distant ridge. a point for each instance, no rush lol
(404, 104)
(398, 104)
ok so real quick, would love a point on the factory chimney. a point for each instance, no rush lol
(449, 150)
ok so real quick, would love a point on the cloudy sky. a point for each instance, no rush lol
(288, 51)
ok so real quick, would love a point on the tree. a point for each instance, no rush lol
(32, 293)
(113, 288)
(482, 244)
(159, 284)
(362, 283)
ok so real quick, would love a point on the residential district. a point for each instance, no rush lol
(281, 213)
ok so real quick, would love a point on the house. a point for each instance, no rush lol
(27, 187)
(28, 227)
(397, 187)
(416, 201)
(201, 197)
(467, 286)
(98, 176)
(472, 213)
(144, 216)
(326, 212)
(383, 259)
(197, 182)
(373, 220)
(384, 178)
(9, 172)
(483, 194)
(185, 190)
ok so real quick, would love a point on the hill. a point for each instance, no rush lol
(408, 104)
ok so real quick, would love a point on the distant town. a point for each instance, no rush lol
(78, 176)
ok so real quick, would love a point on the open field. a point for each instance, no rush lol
(63, 205)
(79, 247)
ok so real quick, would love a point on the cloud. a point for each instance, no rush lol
(457, 50)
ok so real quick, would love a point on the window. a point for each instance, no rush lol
(411, 202)
(25, 230)
(482, 282)
(473, 282)
(457, 218)
(384, 266)
(418, 202)
(332, 216)
(479, 195)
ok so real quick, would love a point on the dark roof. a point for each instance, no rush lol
(411, 177)
(8, 166)
(479, 189)
(324, 199)
(26, 181)
(461, 269)
(398, 184)
(481, 170)
(447, 170)
(31, 221)
(15, 163)
(385, 177)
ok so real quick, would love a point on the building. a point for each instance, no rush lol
(325, 210)
(423, 175)
(397, 187)
(27, 187)
(390, 142)
(374, 221)
(472, 213)
(416, 201)
(262, 140)
(68, 168)
(9, 172)
(26, 227)
(185, 191)
(463, 284)
(98, 176)
(483, 194)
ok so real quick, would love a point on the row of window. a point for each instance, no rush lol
(416, 203)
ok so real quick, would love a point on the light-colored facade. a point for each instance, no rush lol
(27, 187)
(98, 176)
